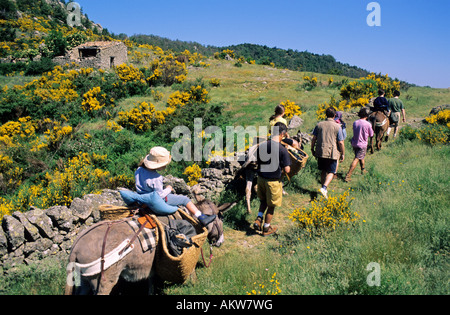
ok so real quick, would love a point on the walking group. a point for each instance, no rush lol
(327, 146)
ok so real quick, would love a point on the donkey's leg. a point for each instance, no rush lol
(110, 279)
(248, 195)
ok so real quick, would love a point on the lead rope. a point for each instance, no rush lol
(210, 257)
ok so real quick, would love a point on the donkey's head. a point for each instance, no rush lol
(215, 229)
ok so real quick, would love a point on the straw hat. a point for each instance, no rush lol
(157, 158)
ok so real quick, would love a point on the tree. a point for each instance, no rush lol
(56, 43)
(7, 9)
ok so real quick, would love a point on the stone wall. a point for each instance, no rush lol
(37, 234)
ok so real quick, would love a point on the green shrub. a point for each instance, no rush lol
(39, 67)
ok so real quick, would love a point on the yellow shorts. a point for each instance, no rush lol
(270, 191)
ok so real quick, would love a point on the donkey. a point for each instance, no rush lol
(380, 125)
(137, 265)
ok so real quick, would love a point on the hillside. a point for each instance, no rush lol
(70, 132)
(287, 59)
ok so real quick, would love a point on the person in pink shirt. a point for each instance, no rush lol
(362, 131)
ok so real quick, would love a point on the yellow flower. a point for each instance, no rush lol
(194, 173)
(291, 109)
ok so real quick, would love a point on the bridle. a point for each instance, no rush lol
(211, 244)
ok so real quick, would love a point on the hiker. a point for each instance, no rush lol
(148, 180)
(338, 119)
(362, 131)
(278, 117)
(396, 106)
(280, 110)
(381, 104)
(273, 159)
(328, 147)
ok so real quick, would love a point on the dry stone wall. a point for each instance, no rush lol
(37, 234)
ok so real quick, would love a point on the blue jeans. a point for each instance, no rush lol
(177, 200)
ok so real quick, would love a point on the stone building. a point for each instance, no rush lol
(102, 55)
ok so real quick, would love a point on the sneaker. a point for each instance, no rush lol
(324, 192)
(258, 224)
(206, 219)
(270, 230)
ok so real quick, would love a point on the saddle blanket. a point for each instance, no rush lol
(146, 237)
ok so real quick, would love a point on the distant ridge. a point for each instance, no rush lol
(289, 59)
(55, 15)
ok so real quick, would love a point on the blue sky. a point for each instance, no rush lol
(412, 43)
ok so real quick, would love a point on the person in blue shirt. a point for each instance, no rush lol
(381, 104)
(148, 180)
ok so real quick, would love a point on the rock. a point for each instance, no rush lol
(38, 246)
(3, 244)
(178, 184)
(212, 173)
(89, 204)
(31, 231)
(62, 217)
(295, 122)
(81, 208)
(42, 222)
(14, 231)
(437, 109)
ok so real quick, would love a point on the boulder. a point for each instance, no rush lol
(14, 231)
(81, 208)
(178, 184)
(62, 217)
(31, 231)
(3, 244)
(295, 122)
(44, 224)
(437, 109)
(89, 204)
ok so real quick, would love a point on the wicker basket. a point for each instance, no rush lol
(299, 158)
(112, 213)
(178, 269)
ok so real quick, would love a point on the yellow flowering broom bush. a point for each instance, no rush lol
(436, 132)
(358, 93)
(140, 118)
(93, 100)
(79, 176)
(291, 109)
(194, 173)
(441, 118)
(324, 215)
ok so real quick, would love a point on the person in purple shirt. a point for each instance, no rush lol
(362, 131)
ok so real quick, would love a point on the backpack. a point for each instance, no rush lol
(178, 236)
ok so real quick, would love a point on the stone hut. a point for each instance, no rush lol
(102, 55)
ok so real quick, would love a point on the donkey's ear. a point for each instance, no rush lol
(227, 206)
